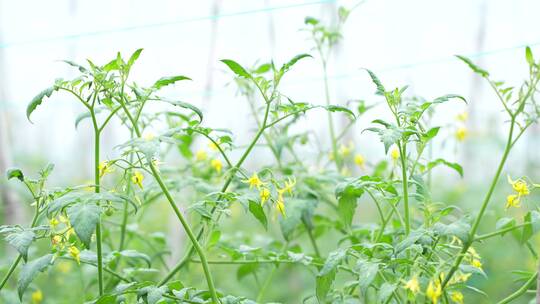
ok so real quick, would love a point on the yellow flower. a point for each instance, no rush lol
(53, 222)
(104, 168)
(149, 136)
(394, 153)
(457, 297)
(520, 186)
(265, 195)
(460, 278)
(512, 200)
(463, 116)
(476, 263)
(137, 178)
(413, 285)
(434, 291)
(289, 184)
(461, 133)
(37, 297)
(69, 232)
(359, 160)
(280, 204)
(473, 253)
(253, 181)
(75, 253)
(345, 150)
(216, 164)
(200, 155)
(56, 241)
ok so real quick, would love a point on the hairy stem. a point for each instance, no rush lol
(520, 291)
(478, 219)
(185, 224)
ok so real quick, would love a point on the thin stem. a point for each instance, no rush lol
(19, 257)
(498, 232)
(520, 291)
(313, 242)
(97, 189)
(330, 118)
(185, 224)
(190, 251)
(403, 157)
(478, 219)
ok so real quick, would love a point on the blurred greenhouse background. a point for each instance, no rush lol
(405, 42)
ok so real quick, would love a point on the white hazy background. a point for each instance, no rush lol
(404, 42)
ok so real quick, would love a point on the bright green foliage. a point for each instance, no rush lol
(306, 206)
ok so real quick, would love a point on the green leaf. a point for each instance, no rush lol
(258, 212)
(21, 240)
(84, 218)
(134, 254)
(30, 270)
(457, 167)
(134, 57)
(287, 66)
(386, 291)
(347, 195)
(236, 68)
(460, 229)
(505, 222)
(323, 285)
(380, 88)
(532, 225)
(332, 261)
(15, 173)
(529, 56)
(335, 108)
(297, 210)
(473, 66)
(389, 136)
(367, 271)
(165, 81)
(431, 133)
(311, 20)
(36, 101)
(447, 97)
(76, 65)
(186, 105)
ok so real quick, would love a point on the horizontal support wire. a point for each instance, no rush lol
(157, 25)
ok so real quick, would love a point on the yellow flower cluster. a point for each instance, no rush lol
(462, 132)
(521, 190)
(434, 288)
(265, 194)
(474, 258)
(215, 163)
(60, 238)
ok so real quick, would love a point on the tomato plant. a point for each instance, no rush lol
(416, 249)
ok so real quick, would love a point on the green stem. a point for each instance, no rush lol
(18, 259)
(498, 232)
(97, 189)
(403, 157)
(185, 224)
(190, 251)
(312, 239)
(478, 219)
(330, 118)
(520, 291)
